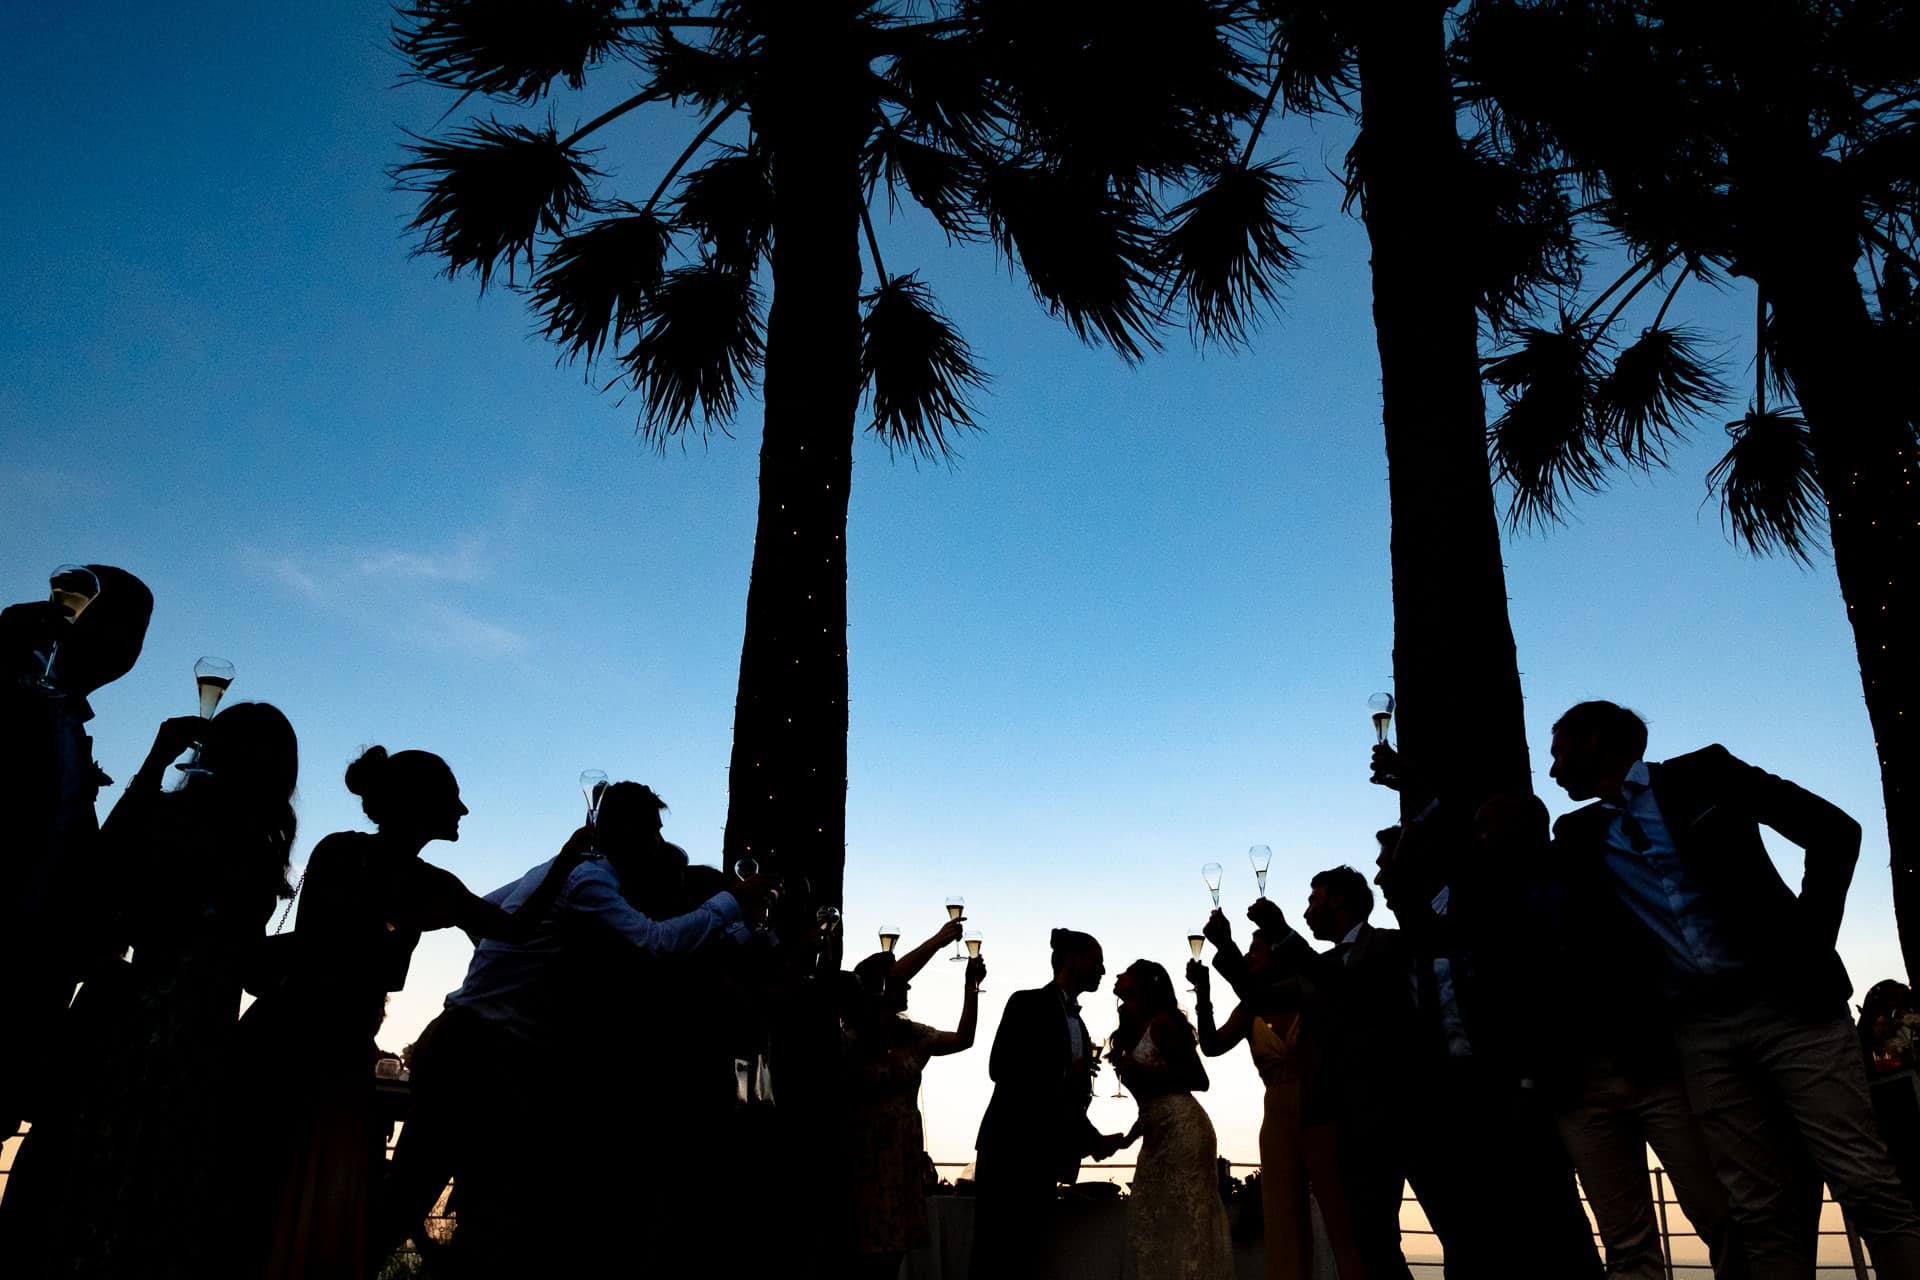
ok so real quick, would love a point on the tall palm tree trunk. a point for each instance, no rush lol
(1869, 469)
(787, 785)
(1462, 725)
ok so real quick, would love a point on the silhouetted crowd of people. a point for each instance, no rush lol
(1552, 1003)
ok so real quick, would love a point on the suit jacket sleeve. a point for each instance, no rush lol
(1830, 838)
(1020, 1057)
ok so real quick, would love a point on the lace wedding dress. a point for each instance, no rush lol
(1176, 1223)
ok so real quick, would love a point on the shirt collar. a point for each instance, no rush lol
(1066, 999)
(1353, 934)
(1638, 779)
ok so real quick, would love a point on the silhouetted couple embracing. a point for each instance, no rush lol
(1036, 1131)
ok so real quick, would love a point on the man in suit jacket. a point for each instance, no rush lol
(1035, 1131)
(1744, 970)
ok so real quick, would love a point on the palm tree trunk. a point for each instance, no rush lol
(787, 785)
(1462, 727)
(1869, 470)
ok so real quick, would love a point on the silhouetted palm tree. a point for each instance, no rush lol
(1777, 140)
(1461, 235)
(1059, 133)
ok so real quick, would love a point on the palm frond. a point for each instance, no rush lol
(707, 76)
(1768, 486)
(1515, 228)
(1545, 444)
(702, 343)
(1655, 386)
(1313, 53)
(489, 190)
(939, 180)
(1229, 248)
(506, 48)
(595, 283)
(729, 201)
(918, 368)
(1085, 249)
(943, 85)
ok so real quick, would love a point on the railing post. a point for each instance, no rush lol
(1660, 1204)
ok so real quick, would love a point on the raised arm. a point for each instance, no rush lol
(1214, 1041)
(960, 1039)
(906, 966)
(591, 894)
(481, 918)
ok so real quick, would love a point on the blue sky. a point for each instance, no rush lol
(1132, 630)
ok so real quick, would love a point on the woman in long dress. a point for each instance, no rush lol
(882, 1057)
(364, 902)
(1297, 1147)
(1176, 1222)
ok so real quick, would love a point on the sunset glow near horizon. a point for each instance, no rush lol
(1132, 630)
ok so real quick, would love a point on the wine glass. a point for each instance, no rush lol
(1211, 874)
(212, 677)
(73, 588)
(1114, 1054)
(889, 935)
(956, 907)
(1380, 707)
(973, 951)
(1261, 857)
(593, 784)
(1196, 943)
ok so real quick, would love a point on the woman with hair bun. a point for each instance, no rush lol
(364, 902)
(1176, 1223)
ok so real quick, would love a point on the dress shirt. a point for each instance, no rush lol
(509, 983)
(1654, 884)
(1075, 1037)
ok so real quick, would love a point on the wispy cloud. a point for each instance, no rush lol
(357, 584)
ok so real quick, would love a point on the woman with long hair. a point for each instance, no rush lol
(1176, 1223)
(364, 902)
(125, 1175)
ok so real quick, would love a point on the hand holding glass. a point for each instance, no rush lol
(74, 587)
(593, 784)
(956, 907)
(973, 952)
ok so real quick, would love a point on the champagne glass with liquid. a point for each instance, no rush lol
(1196, 943)
(593, 785)
(1211, 874)
(212, 677)
(973, 952)
(1114, 1054)
(1380, 707)
(73, 588)
(1261, 857)
(889, 936)
(956, 907)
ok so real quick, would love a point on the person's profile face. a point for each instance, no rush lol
(1086, 970)
(1318, 914)
(1576, 765)
(441, 807)
(1259, 955)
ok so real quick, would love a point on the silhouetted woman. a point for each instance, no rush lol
(364, 902)
(127, 1176)
(1176, 1224)
(882, 1056)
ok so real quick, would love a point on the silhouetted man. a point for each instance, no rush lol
(491, 1074)
(1745, 971)
(1035, 1131)
(48, 785)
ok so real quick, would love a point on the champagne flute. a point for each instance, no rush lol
(72, 588)
(1114, 1054)
(956, 907)
(889, 935)
(1211, 874)
(212, 677)
(593, 784)
(1380, 707)
(973, 951)
(1261, 857)
(1196, 943)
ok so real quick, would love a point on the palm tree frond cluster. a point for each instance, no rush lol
(1229, 246)
(595, 283)
(917, 368)
(702, 345)
(511, 49)
(1768, 486)
(1658, 383)
(491, 190)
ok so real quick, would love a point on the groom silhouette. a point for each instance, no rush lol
(1036, 1131)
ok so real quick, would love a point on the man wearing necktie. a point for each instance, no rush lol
(1742, 969)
